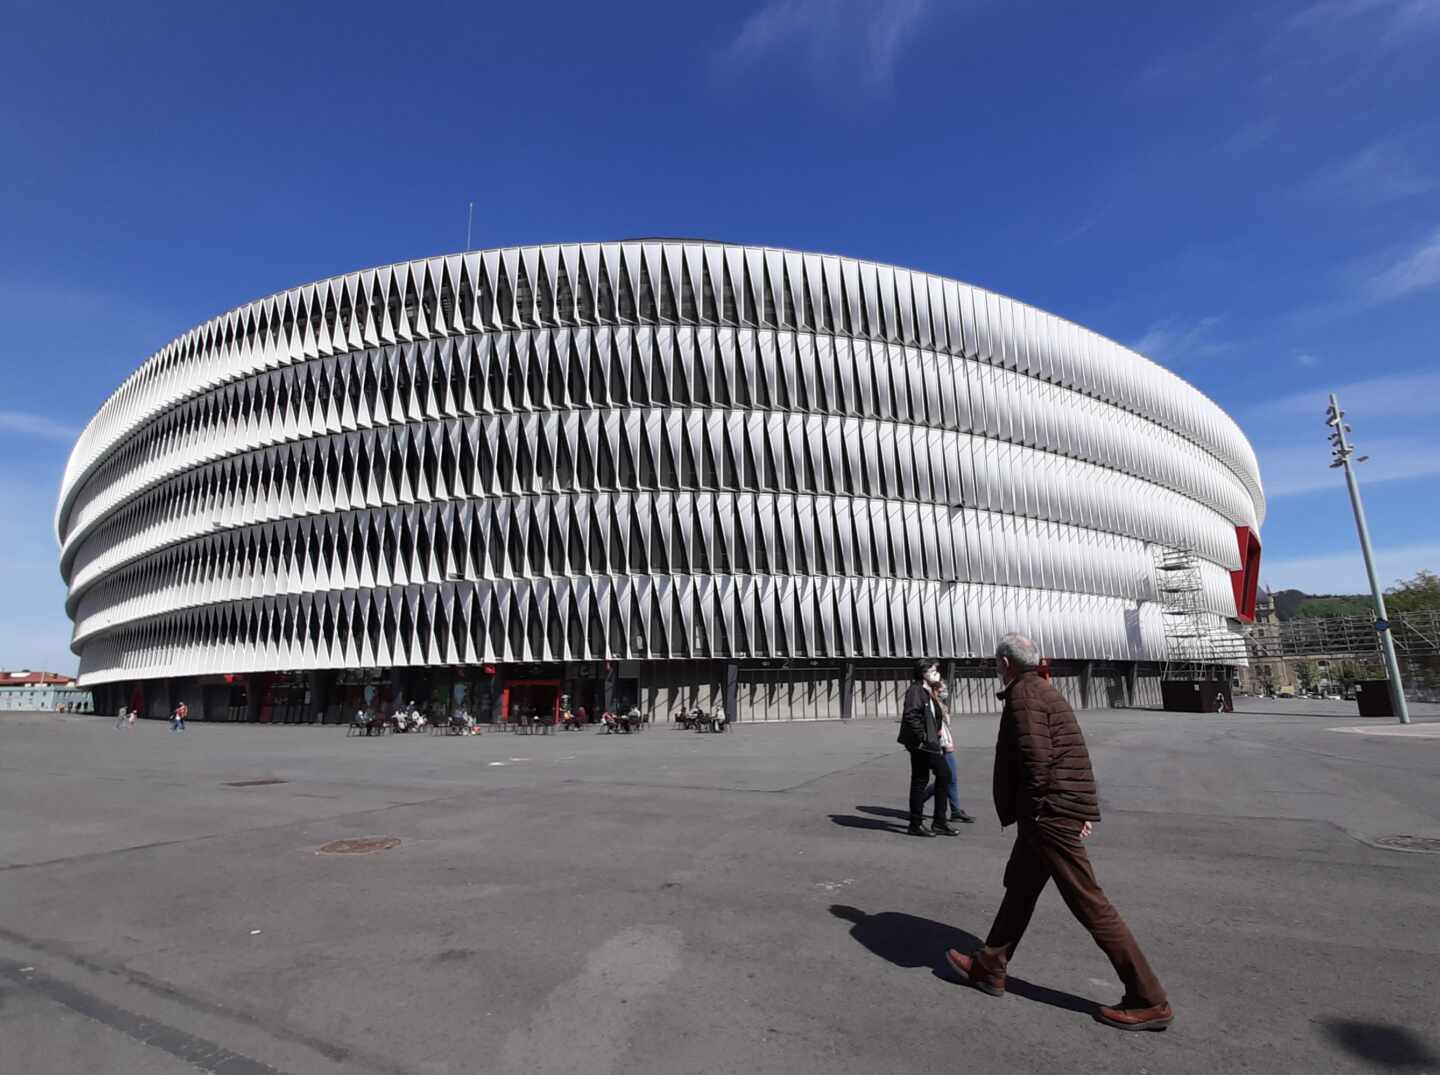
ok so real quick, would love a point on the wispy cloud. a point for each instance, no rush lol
(1344, 571)
(1328, 13)
(1399, 17)
(1374, 280)
(1414, 270)
(1302, 465)
(1382, 172)
(1404, 395)
(1251, 136)
(36, 425)
(1176, 342)
(828, 30)
(1085, 227)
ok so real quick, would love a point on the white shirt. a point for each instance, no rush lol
(947, 743)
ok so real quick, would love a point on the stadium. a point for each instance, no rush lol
(653, 472)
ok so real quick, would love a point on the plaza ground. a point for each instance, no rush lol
(674, 902)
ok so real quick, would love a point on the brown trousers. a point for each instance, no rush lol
(1051, 848)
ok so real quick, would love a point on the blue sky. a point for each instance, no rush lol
(1249, 193)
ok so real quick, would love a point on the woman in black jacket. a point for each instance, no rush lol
(920, 721)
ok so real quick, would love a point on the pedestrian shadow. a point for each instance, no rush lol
(850, 821)
(885, 811)
(1385, 1044)
(910, 941)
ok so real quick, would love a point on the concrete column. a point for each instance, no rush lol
(402, 686)
(1132, 683)
(847, 690)
(254, 688)
(1087, 676)
(732, 691)
(321, 683)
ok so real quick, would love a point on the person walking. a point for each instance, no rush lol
(1044, 785)
(947, 747)
(920, 723)
(120, 718)
(177, 718)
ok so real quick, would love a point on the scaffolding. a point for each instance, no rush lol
(1199, 643)
(1416, 634)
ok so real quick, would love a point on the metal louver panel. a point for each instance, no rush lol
(721, 451)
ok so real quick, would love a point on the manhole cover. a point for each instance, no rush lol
(1409, 843)
(254, 783)
(361, 846)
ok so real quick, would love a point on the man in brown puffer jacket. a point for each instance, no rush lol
(1043, 782)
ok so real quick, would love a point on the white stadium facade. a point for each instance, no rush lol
(658, 471)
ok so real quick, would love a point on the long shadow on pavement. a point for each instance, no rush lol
(1387, 1045)
(875, 824)
(850, 821)
(911, 941)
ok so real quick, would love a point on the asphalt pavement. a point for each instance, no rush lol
(674, 902)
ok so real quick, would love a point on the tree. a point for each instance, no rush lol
(1415, 594)
(1324, 608)
(1307, 674)
(1345, 674)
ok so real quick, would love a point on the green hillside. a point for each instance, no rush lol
(1407, 595)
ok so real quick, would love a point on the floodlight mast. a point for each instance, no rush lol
(1342, 450)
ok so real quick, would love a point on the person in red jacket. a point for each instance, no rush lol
(1044, 783)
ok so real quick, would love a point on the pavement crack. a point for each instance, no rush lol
(205, 1055)
(191, 1000)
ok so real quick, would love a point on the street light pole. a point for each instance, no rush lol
(1342, 451)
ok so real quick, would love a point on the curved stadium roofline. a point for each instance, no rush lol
(72, 481)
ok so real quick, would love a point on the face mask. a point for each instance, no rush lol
(932, 676)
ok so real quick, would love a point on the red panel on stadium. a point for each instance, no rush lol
(1246, 580)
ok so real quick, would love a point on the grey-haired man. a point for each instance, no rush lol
(1044, 783)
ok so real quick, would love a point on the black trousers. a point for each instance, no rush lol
(925, 767)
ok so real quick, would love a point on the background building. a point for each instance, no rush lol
(42, 691)
(658, 470)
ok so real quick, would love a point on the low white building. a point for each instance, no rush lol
(42, 692)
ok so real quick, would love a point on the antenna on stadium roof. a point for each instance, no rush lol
(469, 220)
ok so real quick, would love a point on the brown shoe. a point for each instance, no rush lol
(1123, 1018)
(970, 968)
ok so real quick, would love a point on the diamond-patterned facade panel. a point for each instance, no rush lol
(637, 450)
